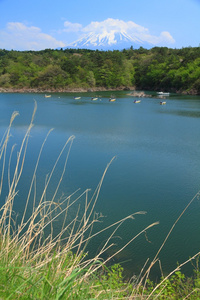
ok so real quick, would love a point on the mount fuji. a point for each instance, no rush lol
(113, 40)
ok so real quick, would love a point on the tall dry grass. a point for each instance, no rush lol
(29, 247)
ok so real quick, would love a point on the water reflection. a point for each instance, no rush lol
(184, 113)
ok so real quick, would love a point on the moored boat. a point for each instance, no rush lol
(77, 98)
(47, 96)
(94, 98)
(112, 99)
(163, 94)
(137, 101)
(162, 102)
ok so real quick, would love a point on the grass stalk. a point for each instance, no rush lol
(33, 261)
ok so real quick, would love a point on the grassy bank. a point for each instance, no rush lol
(36, 263)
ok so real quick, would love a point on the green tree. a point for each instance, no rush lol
(91, 79)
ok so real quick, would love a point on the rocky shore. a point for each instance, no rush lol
(62, 90)
(133, 91)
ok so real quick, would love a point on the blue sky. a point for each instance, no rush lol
(41, 24)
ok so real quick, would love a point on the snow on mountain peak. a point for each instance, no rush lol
(106, 40)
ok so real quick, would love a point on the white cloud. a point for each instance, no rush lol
(112, 24)
(72, 27)
(18, 36)
(165, 35)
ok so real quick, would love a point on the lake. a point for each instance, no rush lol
(156, 167)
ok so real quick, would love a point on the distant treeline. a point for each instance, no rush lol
(158, 69)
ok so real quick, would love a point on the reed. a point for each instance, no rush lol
(35, 262)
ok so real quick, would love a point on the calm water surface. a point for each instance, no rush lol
(156, 169)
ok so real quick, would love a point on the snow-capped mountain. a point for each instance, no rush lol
(108, 41)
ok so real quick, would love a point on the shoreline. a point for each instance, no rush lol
(88, 90)
(63, 90)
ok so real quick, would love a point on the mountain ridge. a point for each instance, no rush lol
(112, 40)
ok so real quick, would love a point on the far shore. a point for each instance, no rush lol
(84, 90)
(63, 90)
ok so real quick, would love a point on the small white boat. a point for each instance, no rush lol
(77, 98)
(47, 96)
(163, 94)
(137, 101)
(112, 99)
(94, 98)
(162, 102)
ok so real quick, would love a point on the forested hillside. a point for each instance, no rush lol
(160, 68)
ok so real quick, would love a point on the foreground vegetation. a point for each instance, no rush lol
(36, 263)
(160, 68)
